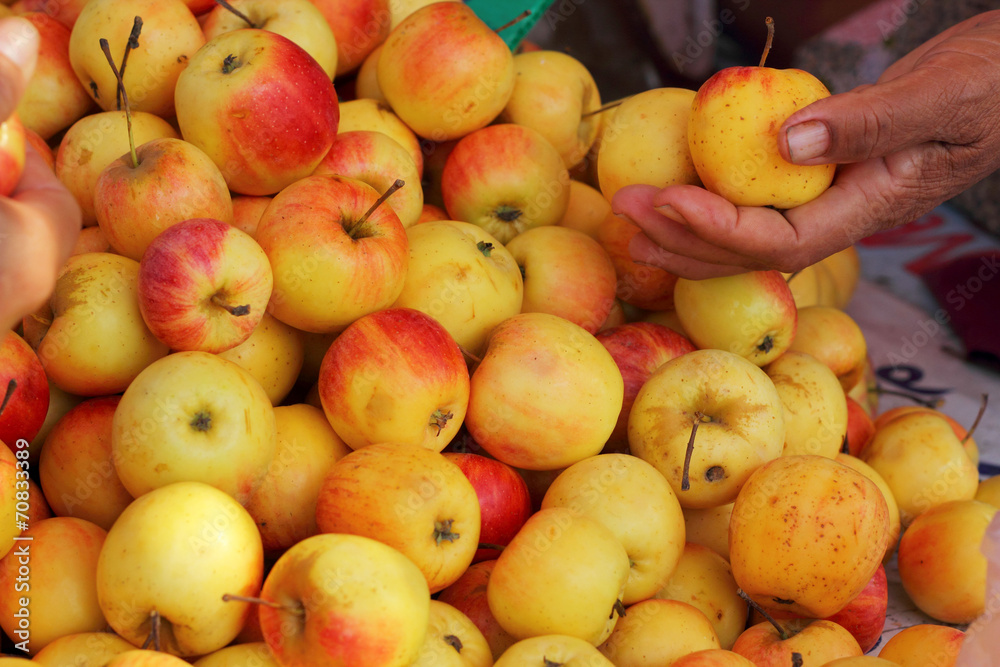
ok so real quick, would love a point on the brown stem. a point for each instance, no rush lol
(11, 386)
(238, 13)
(235, 311)
(968, 434)
(770, 619)
(618, 606)
(440, 419)
(769, 22)
(792, 275)
(121, 89)
(229, 597)
(153, 639)
(490, 545)
(927, 403)
(132, 43)
(602, 109)
(699, 417)
(378, 202)
(514, 21)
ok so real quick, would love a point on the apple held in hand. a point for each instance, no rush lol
(12, 147)
(24, 391)
(203, 285)
(733, 136)
(260, 107)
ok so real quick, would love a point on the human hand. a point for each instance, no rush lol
(40, 220)
(926, 131)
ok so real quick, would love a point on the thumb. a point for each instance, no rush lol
(18, 54)
(871, 121)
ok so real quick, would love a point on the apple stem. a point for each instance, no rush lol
(454, 642)
(235, 311)
(508, 213)
(440, 419)
(699, 417)
(378, 202)
(606, 107)
(968, 434)
(237, 12)
(121, 89)
(789, 278)
(442, 532)
(490, 545)
(514, 21)
(229, 597)
(11, 386)
(469, 356)
(154, 632)
(770, 619)
(132, 43)
(927, 403)
(618, 606)
(769, 22)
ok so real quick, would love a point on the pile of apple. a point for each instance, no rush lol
(376, 382)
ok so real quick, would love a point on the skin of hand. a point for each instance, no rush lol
(40, 221)
(926, 131)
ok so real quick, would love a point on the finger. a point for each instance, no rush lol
(637, 203)
(53, 204)
(912, 109)
(18, 55)
(645, 251)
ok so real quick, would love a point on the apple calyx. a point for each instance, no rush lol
(235, 311)
(699, 418)
(440, 419)
(231, 63)
(121, 91)
(766, 344)
(11, 386)
(797, 660)
(202, 421)
(485, 248)
(984, 399)
(296, 609)
(355, 227)
(603, 108)
(782, 632)
(454, 642)
(442, 532)
(514, 21)
(153, 639)
(549, 663)
(507, 213)
(237, 12)
(769, 22)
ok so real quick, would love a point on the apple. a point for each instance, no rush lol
(860, 428)
(90, 336)
(658, 632)
(713, 657)
(170, 181)
(844, 268)
(82, 648)
(284, 502)
(409, 497)
(54, 98)
(554, 649)
(60, 402)
(709, 527)
(247, 210)
(399, 10)
(203, 285)
(968, 442)
(633, 500)
(561, 574)
(468, 595)
(639, 285)
(432, 213)
(366, 82)
(359, 26)
(144, 658)
(586, 209)
(815, 406)
(922, 462)
(76, 469)
(260, 107)
(94, 142)
(707, 441)
(704, 580)
(13, 476)
(911, 647)
(890, 500)
(12, 155)
(751, 314)
(91, 239)
(645, 141)
(988, 491)
(367, 114)
(452, 640)
(24, 400)
(793, 548)
(183, 532)
(273, 355)
(298, 20)
(64, 11)
(193, 416)
(505, 178)
(378, 160)
(638, 348)
(518, 409)
(58, 595)
(445, 72)
(815, 642)
(464, 278)
(940, 562)
(335, 254)
(733, 135)
(323, 608)
(833, 337)
(555, 94)
(44, 151)
(169, 39)
(255, 654)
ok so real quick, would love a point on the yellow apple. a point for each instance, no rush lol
(895, 527)
(547, 650)
(273, 355)
(815, 642)
(366, 84)
(844, 268)
(988, 491)
(253, 654)
(82, 649)
(911, 647)
(815, 407)
(586, 209)
(369, 114)
(709, 527)
(713, 657)
(452, 641)
(657, 632)
(833, 337)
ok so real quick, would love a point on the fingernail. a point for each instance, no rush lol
(807, 140)
(670, 212)
(19, 42)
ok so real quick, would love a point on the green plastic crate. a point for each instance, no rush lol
(496, 13)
